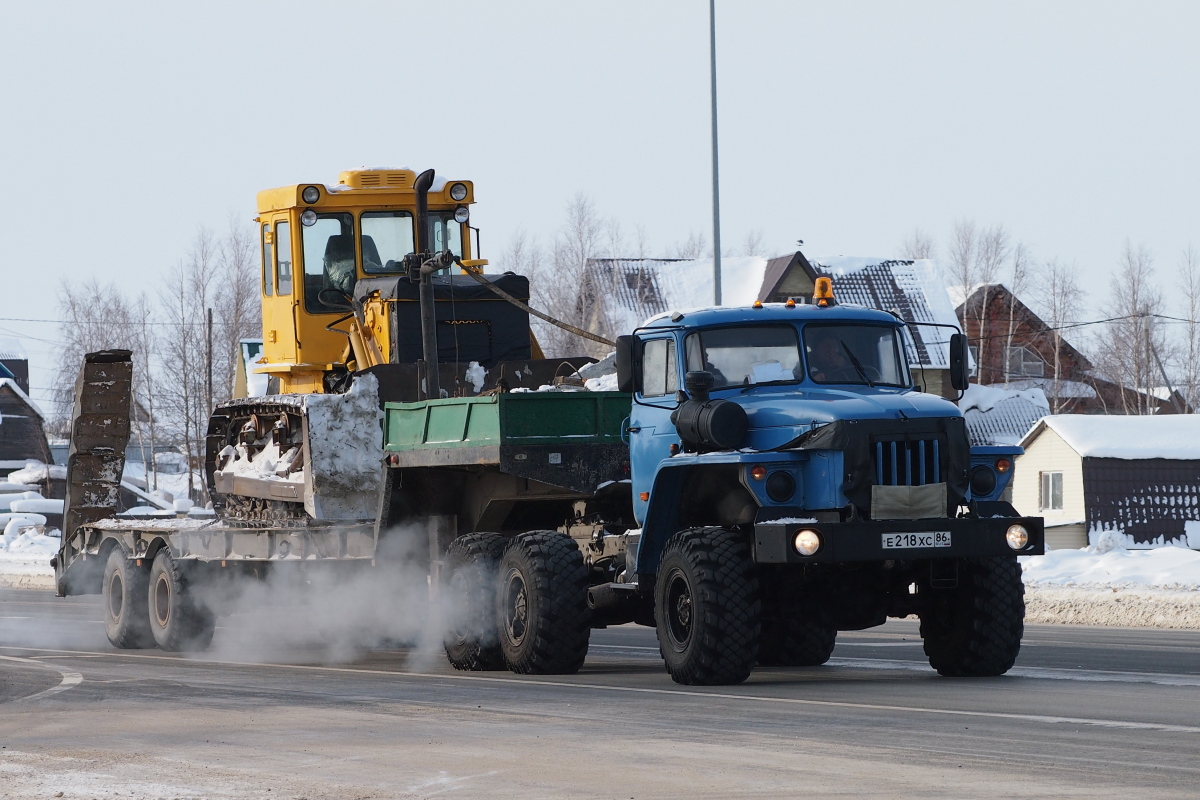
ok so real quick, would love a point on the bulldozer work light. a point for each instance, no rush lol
(311, 194)
(461, 214)
(1016, 536)
(807, 542)
(308, 218)
(458, 192)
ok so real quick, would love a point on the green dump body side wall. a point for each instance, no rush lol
(523, 418)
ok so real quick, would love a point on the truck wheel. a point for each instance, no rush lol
(472, 562)
(542, 613)
(126, 617)
(177, 621)
(974, 630)
(706, 604)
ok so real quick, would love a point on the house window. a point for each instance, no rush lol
(1025, 363)
(974, 348)
(1051, 494)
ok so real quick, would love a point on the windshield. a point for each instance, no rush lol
(387, 237)
(329, 272)
(867, 354)
(746, 355)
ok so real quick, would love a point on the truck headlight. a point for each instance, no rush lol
(1017, 536)
(807, 542)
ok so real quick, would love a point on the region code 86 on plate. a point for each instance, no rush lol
(894, 541)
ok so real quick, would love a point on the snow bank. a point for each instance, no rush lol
(1106, 584)
(1175, 436)
(36, 472)
(1107, 566)
(985, 398)
(6, 500)
(25, 551)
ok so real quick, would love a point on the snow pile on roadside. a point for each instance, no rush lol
(25, 551)
(1108, 585)
(1173, 568)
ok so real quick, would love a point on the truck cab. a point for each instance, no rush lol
(789, 444)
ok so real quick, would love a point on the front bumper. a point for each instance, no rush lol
(863, 541)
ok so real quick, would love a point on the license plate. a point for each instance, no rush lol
(904, 541)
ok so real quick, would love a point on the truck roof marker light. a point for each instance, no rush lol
(823, 292)
(645, 496)
(791, 302)
(757, 304)
(1003, 465)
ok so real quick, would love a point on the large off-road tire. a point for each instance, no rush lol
(471, 565)
(975, 629)
(177, 620)
(542, 613)
(707, 607)
(126, 616)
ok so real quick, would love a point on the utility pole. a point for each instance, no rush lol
(1158, 361)
(208, 364)
(716, 194)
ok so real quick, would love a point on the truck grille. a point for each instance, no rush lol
(915, 462)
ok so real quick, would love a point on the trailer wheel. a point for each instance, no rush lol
(177, 620)
(472, 562)
(542, 612)
(707, 607)
(975, 629)
(126, 617)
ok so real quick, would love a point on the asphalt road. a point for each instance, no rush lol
(1088, 713)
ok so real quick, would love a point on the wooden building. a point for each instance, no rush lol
(1137, 476)
(22, 433)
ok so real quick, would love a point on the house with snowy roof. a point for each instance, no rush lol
(14, 363)
(1133, 477)
(1013, 347)
(913, 289)
(22, 432)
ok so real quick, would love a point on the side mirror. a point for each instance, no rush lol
(960, 362)
(626, 371)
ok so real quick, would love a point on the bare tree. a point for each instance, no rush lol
(992, 250)
(754, 244)
(919, 244)
(961, 255)
(1061, 298)
(1130, 345)
(237, 310)
(188, 291)
(95, 317)
(566, 286)
(695, 246)
(1019, 279)
(1188, 276)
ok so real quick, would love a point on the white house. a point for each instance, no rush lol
(1136, 476)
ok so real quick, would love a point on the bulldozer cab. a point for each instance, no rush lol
(322, 244)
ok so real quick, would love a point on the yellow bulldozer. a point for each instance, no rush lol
(375, 275)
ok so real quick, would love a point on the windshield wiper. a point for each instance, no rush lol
(857, 365)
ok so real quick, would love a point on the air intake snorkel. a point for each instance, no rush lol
(704, 424)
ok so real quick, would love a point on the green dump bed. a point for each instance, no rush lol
(568, 439)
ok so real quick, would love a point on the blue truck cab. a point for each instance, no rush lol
(786, 449)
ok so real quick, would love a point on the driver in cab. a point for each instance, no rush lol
(827, 361)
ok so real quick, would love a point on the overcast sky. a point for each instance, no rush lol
(126, 126)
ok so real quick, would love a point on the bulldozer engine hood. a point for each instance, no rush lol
(473, 324)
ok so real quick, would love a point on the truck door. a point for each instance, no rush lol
(651, 432)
